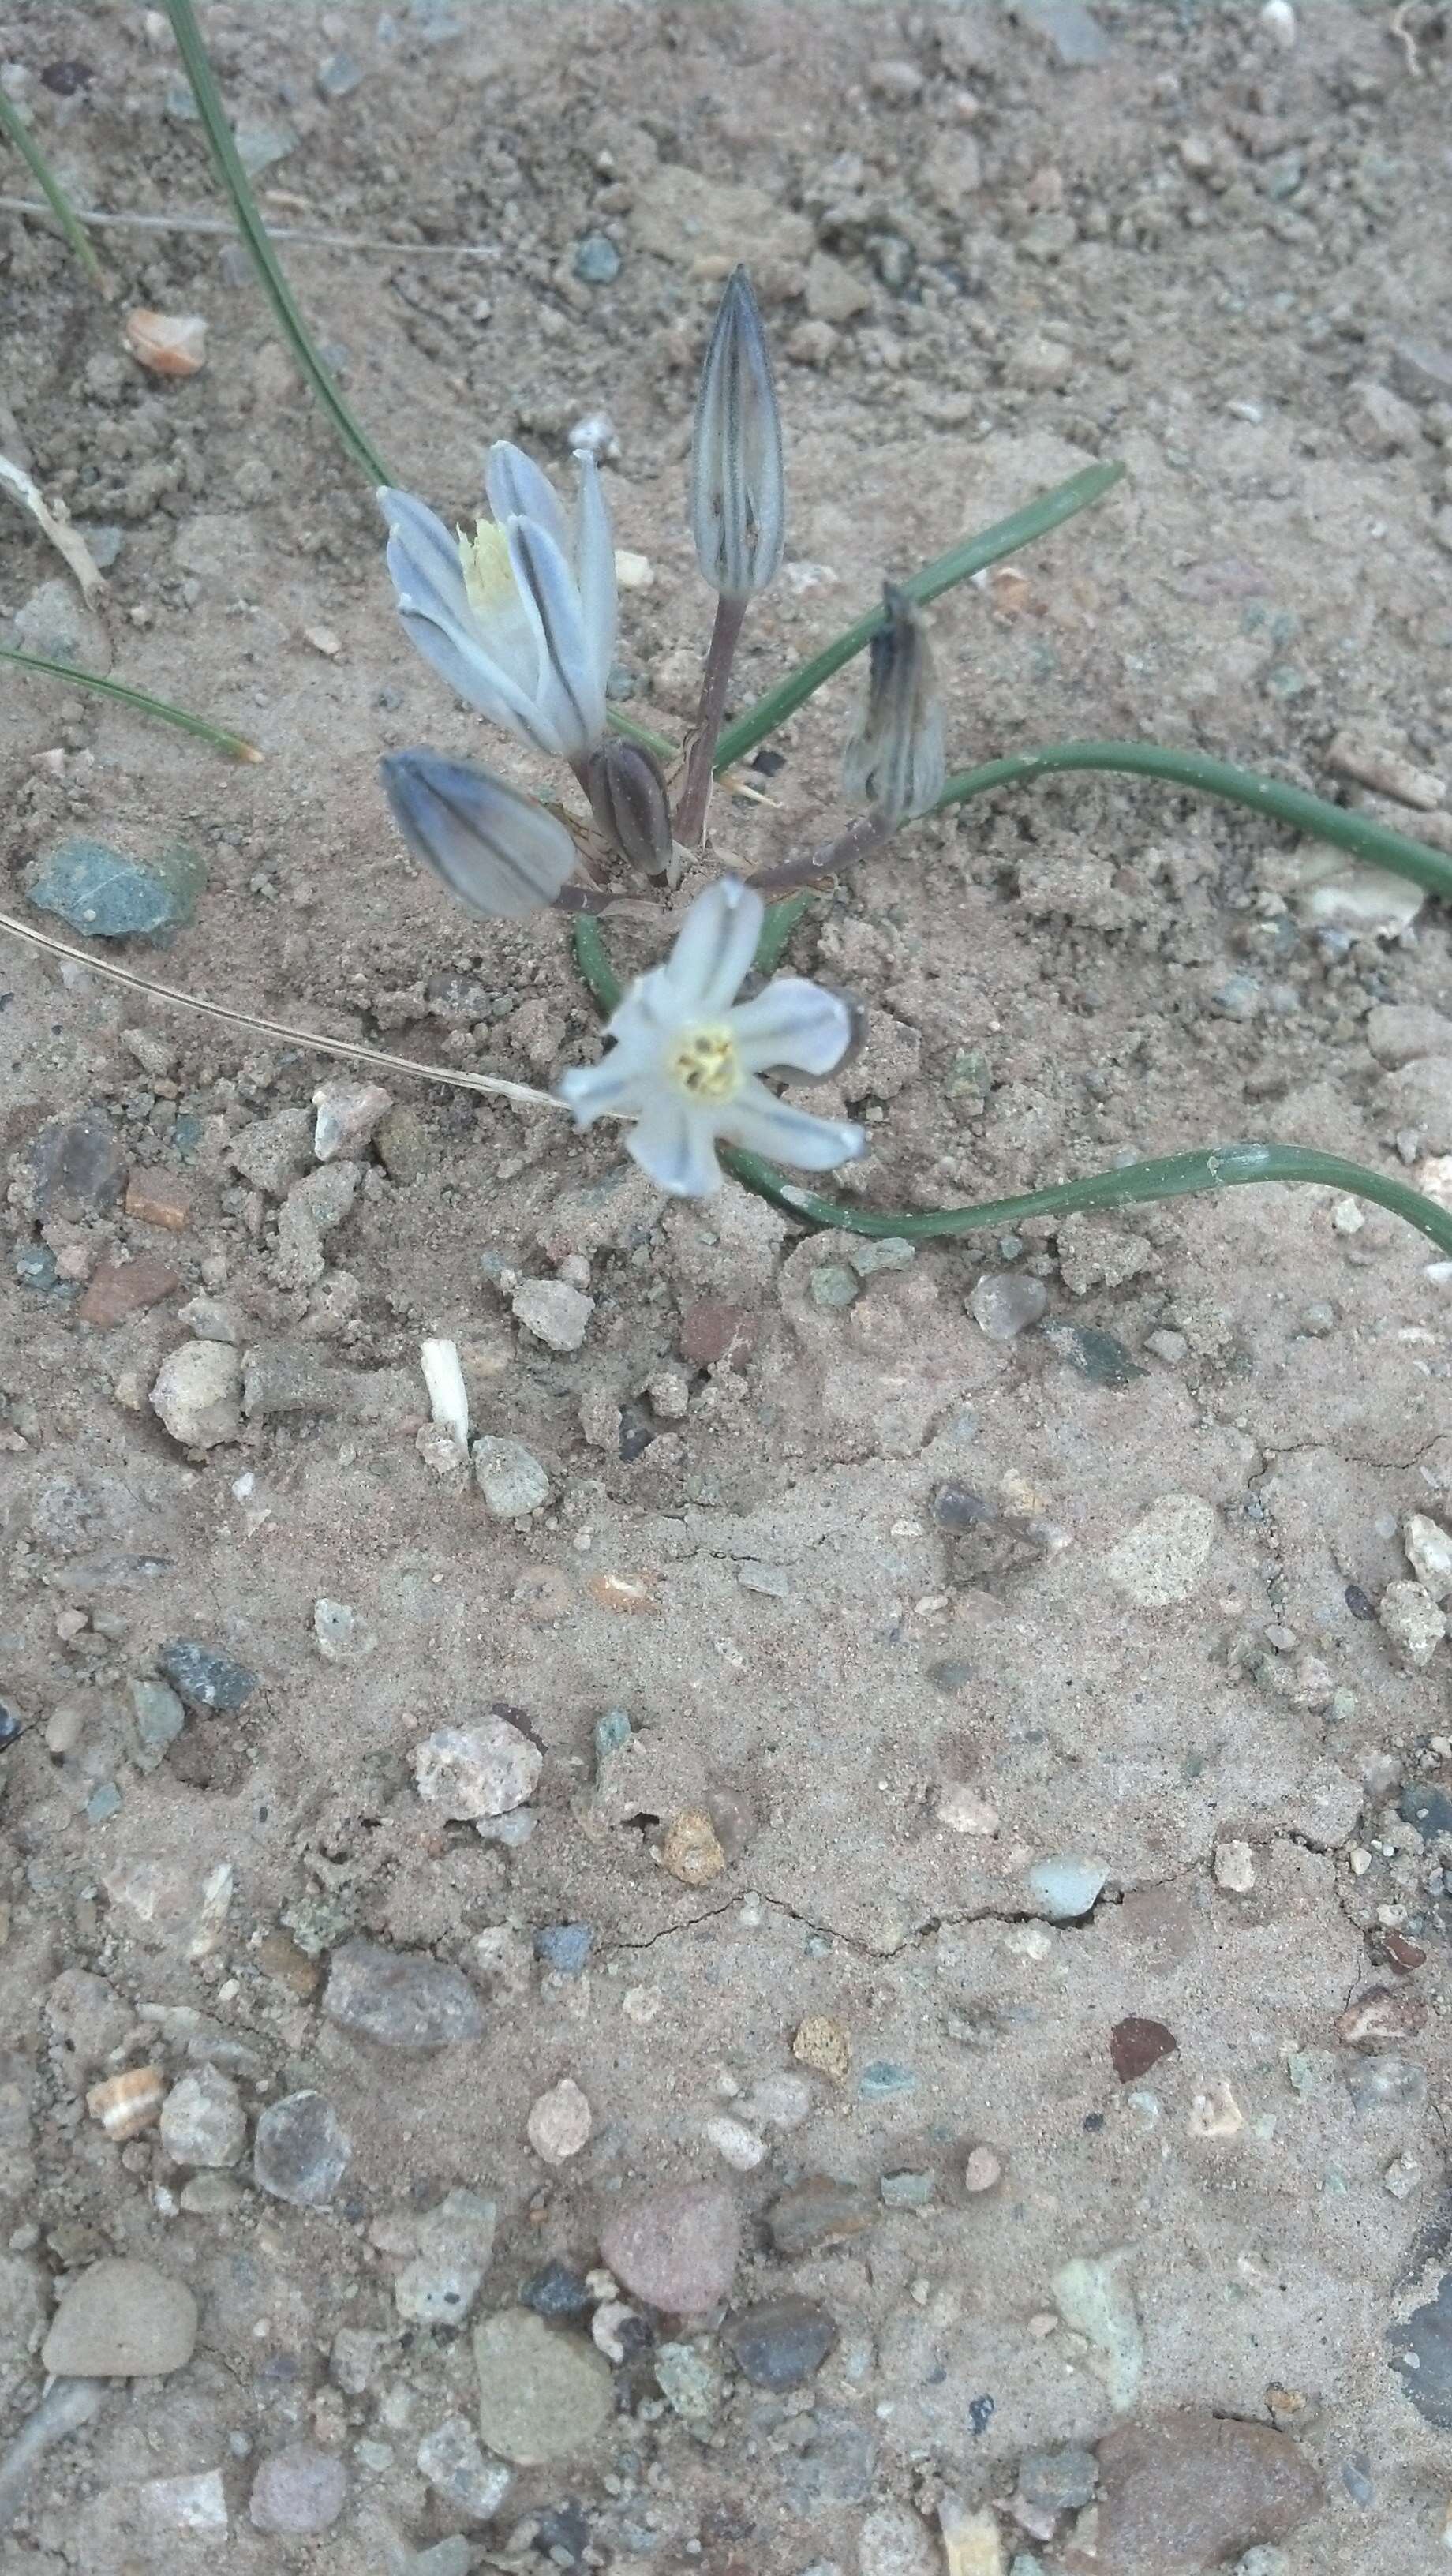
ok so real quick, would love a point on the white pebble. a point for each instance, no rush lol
(1279, 21)
(560, 2122)
(963, 1812)
(1216, 2114)
(1235, 1867)
(737, 2145)
(632, 571)
(553, 1312)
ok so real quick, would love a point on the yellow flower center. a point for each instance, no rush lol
(488, 572)
(705, 1063)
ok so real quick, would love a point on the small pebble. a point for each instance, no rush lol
(202, 2119)
(982, 2170)
(781, 2343)
(556, 2292)
(1216, 2112)
(676, 2248)
(560, 2123)
(542, 2395)
(735, 2144)
(300, 2151)
(348, 1116)
(831, 1285)
(483, 1769)
(596, 262)
(1135, 2045)
(167, 344)
(692, 1850)
(564, 1947)
(206, 1679)
(1057, 2481)
(454, 2246)
(1235, 1867)
(510, 1478)
(297, 2490)
(893, 2542)
(1004, 1303)
(401, 1999)
(1065, 1886)
(452, 2462)
(553, 1313)
(197, 1394)
(818, 2211)
(121, 2319)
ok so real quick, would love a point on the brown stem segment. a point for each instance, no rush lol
(830, 858)
(720, 654)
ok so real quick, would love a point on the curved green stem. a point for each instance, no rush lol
(1162, 1176)
(971, 555)
(235, 745)
(1274, 796)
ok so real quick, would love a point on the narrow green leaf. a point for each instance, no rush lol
(14, 126)
(254, 233)
(1164, 1176)
(1358, 833)
(235, 745)
(972, 554)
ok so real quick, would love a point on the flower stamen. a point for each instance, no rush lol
(706, 1065)
(488, 573)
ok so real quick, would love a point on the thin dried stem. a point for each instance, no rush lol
(303, 240)
(55, 522)
(348, 1049)
(701, 758)
(865, 833)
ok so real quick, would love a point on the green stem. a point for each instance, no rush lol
(14, 126)
(235, 745)
(1163, 1176)
(254, 233)
(1273, 796)
(972, 554)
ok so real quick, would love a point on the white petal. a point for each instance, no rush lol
(517, 489)
(713, 953)
(612, 1088)
(766, 1125)
(423, 556)
(793, 1023)
(595, 567)
(468, 670)
(674, 1142)
(570, 691)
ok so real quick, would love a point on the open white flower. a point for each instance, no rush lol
(520, 617)
(686, 1065)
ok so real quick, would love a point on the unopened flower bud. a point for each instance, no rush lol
(629, 802)
(738, 496)
(499, 852)
(896, 761)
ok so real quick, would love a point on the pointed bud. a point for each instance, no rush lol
(629, 802)
(500, 853)
(896, 761)
(738, 497)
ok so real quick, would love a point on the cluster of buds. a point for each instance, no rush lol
(520, 619)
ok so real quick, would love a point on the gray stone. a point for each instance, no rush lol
(564, 1947)
(832, 1285)
(301, 2152)
(1067, 26)
(1097, 1355)
(893, 2542)
(1422, 370)
(1004, 1302)
(455, 2243)
(818, 2211)
(1093, 2297)
(273, 1152)
(121, 2319)
(337, 77)
(202, 2119)
(206, 1679)
(402, 1999)
(108, 894)
(484, 1769)
(871, 1254)
(688, 2376)
(1056, 2481)
(197, 1394)
(554, 1312)
(677, 2248)
(347, 1117)
(56, 623)
(510, 1478)
(1065, 1885)
(780, 2343)
(1400, 1032)
(1194, 2489)
(299, 2489)
(326, 1195)
(597, 262)
(1386, 2083)
(837, 2465)
(542, 2396)
(159, 1717)
(454, 2465)
(280, 1378)
(1419, 1095)
(260, 146)
(76, 1167)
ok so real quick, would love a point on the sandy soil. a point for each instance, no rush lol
(1227, 264)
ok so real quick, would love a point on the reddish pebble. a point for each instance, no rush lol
(1136, 2045)
(169, 344)
(124, 1288)
(712, 1332)
(677, 2249)
(1402, 1954)
(1380, 2017)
